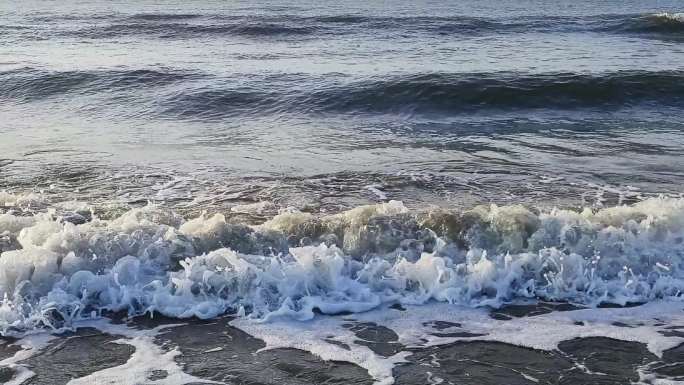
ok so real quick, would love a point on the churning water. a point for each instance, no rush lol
(288, 162)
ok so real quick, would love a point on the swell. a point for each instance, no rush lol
(441, 93)
(29, 84)
(165, 16)
(432, 93)
(660, 24)
(186, 26)
(60, 266)
(175, 28)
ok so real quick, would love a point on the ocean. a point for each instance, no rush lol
(361, 192)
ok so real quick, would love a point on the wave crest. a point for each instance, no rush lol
(440, 93)
(27, 84)
(432, 93)
(660, 23)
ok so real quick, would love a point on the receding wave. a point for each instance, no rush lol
(438, 93)
(64, 265)
(26, 84)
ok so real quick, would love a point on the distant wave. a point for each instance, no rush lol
(164, 16)
(190, 26)
(442, 93)
(343, 19)
(661, 23)
(27, 84)
(185, 26)
(179, 30)
(439, 25)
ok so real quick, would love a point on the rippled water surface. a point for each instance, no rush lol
(331, 105)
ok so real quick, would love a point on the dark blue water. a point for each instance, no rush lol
(325, 106)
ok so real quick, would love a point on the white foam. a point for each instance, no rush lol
(27, 201)
(678, 16)
(311, 336)
(375, 189)
(30, 345)
(618, 254)
(147, 358)
(543, 332)
(253, 208)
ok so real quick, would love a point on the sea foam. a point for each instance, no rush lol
(53, 272)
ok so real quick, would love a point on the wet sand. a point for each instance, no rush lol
(214, 351)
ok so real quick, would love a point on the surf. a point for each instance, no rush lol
(56, 270)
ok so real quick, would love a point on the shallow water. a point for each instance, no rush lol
(598, 346)
(372, 193)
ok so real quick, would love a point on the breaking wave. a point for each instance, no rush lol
(67, 263)
(661, 23)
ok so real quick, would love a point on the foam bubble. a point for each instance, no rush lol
(678, 17)
(414, 328)
(30, 345)
(297, 264)
(147, 358)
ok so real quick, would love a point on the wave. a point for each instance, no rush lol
(344, 19)
(173, 26)
(443, 25)
(433, 93)
(441, 93)
(164, 16)
(661, 24)
(177, 30)
(67, 264)
(186, 26)
(28, 84)
(445, 92)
